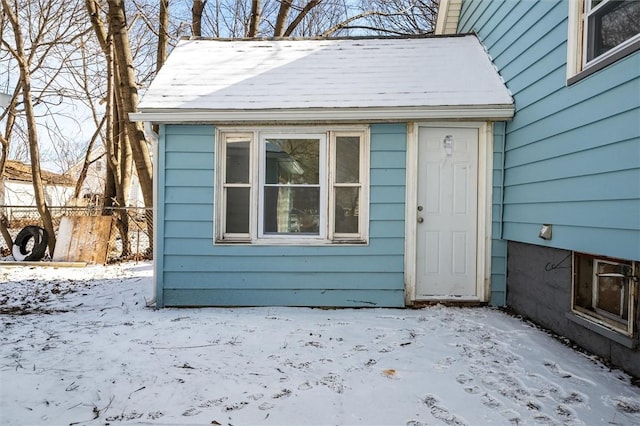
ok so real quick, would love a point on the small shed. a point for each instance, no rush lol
(325, 172)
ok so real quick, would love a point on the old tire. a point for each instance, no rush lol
(21, 250)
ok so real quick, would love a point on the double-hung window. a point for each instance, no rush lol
(600, 33)
(290, 185)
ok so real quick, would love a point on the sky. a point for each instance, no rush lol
(82, 346)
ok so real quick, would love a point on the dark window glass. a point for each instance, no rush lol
(614, 23)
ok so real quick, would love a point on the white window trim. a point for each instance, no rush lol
(576, 41)
(256, 163)
(574, 38)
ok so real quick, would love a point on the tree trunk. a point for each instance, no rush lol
(127, 94)
(255, 18)
(196, 17)
(281, 20)
(163, 36)
(34, 149)
(123, 187)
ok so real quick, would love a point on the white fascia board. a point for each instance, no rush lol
(335, 115)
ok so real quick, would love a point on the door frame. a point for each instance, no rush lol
(484, 181)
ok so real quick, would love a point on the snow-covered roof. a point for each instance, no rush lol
(233, 79)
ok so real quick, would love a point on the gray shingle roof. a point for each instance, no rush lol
(241, 75)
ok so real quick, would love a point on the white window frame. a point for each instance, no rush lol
(604, 318)
(578, 28)
(257, 164)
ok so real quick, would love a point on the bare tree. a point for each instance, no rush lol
(163, 36)
(127, 98)
(118, 151)
(401, 17)
(9, 114)
(48, 27)
(196, 13)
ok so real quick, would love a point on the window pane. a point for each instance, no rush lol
(237, 217)
(347, 210)
(292, 161)
(612, 25)
(291, 210)
(610, 289)
(237, 166)
(347, 159)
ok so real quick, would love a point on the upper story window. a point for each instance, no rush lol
(292, 186)
(600, 33)
(610, 25)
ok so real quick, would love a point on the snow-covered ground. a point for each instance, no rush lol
(80, 346)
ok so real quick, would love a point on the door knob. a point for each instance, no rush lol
(420, 219)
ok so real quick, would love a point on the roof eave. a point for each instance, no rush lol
(495, 112)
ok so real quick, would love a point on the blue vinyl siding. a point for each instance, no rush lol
(572, 153)
(193, 271)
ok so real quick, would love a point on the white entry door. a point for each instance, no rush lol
(447, 214)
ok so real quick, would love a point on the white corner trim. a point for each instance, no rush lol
(485, 199)
(410, 221)
(334, 115)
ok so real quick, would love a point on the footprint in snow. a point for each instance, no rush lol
(191, 412)
(235, 406)
(265, 406)
(574, 398)
(628, 405)
(490, 401)
(544, 420)
(472, 389)
(154, 415)
(463, 378)
(213, 402)
(304, 386)
(512, 416)
(565, 412)
(440, 412)
(282, 394)
(256, 396)
(563, 374)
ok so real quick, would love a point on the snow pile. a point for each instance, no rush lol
(80, 346)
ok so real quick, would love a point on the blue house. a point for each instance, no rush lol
(342, 172)
(568, 197)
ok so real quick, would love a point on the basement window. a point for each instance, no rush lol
(605, 292)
